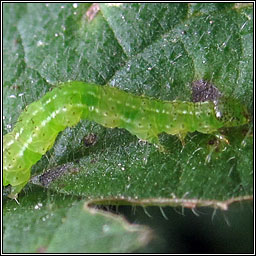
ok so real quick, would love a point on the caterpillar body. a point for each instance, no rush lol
(64, 106)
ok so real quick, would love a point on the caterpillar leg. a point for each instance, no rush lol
(221, 138)
(157, 143)
(181, 137)
(153, 139)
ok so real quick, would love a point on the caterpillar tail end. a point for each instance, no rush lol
(15, 190)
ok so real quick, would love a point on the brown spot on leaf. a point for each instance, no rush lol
(204, 91)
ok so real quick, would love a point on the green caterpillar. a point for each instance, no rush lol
(64, 106)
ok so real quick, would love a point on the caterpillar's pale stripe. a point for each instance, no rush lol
(40, 123)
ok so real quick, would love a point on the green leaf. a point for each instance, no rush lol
(156, 50)
(50, 223)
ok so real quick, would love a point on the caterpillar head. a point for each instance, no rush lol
(231, 112)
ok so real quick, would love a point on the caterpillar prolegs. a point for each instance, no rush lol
(64, 106)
